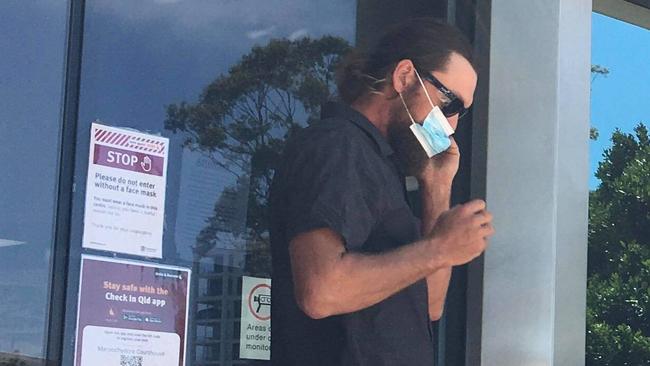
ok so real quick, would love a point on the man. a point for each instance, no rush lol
(357, 278)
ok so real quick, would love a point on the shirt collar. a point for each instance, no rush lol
(337, 109)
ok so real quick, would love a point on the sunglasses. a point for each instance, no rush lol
(455, 105)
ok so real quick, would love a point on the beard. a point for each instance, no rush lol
(410, 155)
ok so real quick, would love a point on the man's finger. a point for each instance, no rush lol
(475, 205)
(483, 217)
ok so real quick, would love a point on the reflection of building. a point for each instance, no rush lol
(217, 285)
(212, 206)
(215, 327)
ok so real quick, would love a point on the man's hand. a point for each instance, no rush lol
(443, 166)
(460, 234)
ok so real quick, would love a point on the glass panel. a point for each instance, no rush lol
(30, 89)
(225, 81)
(618, 301)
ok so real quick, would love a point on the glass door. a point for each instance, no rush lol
(31, 85)
(208, 92)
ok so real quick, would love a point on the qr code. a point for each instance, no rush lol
(130, 360)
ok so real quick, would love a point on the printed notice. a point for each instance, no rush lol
(255, 331)
(125, 191)
(131, 313)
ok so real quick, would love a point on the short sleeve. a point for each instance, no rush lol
(330, 184)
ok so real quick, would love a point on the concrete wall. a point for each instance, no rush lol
(536, 183)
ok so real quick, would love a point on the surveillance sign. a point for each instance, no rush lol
(125, 191)
(255, 331)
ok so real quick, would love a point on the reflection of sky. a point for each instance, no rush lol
(142, 55)
(619, 100)
(32, 38)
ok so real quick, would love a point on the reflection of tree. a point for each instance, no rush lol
(13, 362)
(224, 219)
(18, 360)
(243, 118)
(240, 123)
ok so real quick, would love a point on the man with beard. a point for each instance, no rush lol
(357, 278)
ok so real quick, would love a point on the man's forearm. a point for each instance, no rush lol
(351, 281)
(435, 196)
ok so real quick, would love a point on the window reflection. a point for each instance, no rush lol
(232, 140)
(31, 66)
(227, 90)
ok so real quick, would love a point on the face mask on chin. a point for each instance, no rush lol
(433, 134)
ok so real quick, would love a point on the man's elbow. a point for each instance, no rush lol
(320, 297)
(435, 316)
(313, 304)
(435, 312)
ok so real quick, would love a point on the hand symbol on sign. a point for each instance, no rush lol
(146, 164)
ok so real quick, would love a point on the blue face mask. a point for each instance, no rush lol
(433, 134)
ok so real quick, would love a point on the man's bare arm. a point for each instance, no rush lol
(435, 198)
(330, 280)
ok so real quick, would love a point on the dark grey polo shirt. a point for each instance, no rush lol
(339, 173)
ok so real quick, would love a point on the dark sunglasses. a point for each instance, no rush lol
(455, 104)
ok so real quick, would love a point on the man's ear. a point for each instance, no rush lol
(403, 75)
